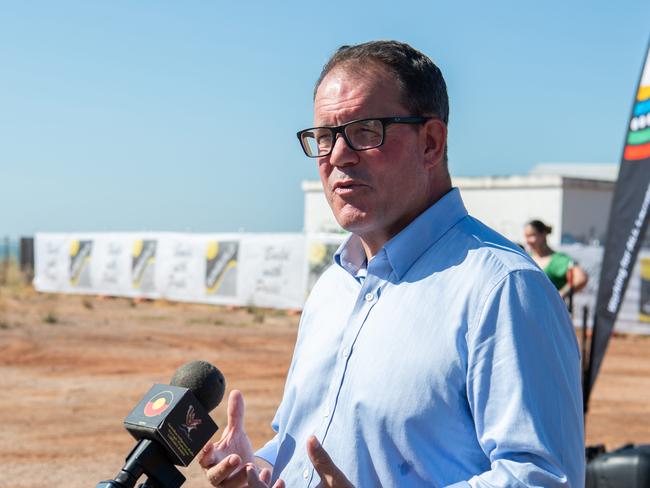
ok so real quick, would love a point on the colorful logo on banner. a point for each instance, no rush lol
(144, 258)
(158, 403)
(638, 138)
(80, 253)
(221, 258)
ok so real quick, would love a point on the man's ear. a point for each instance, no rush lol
(435, 141)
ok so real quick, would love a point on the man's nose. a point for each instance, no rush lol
(342, 154)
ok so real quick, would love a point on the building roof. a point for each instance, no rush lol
(530, 181)
(588, 171)
(543, 175)
(312, 185)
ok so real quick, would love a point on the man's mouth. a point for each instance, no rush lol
(343, 187)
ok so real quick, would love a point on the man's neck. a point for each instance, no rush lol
(372, 242)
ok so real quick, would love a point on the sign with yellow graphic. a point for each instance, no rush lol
(221, 268)
(143, 264)
(319, 257)
(80, 256)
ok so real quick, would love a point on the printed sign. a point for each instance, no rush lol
(143, 264)
(221, 268)
(80, 256)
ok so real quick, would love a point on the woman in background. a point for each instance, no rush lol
(559, 267)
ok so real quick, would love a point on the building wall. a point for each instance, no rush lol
(576, 208)
(318, 217)
(586, 213)
(507, 210)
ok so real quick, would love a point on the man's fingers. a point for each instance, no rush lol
(207, 456)
(330, 475)
(253, 479)
(237, 480)
(218, 475)
(319, 457)
(236, 410)
(265, 475)
(262, 479)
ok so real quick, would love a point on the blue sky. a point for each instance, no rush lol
(181, 116)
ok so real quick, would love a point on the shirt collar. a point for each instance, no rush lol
(350, 255)
(407, 246)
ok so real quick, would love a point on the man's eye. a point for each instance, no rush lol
(364, 129)
(369, 131)
(323, 140)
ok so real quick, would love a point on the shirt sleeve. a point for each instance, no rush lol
(523, 386)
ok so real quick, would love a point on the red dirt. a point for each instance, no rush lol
(72, 367)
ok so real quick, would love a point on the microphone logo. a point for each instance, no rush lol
(158, 403)
(191, 422)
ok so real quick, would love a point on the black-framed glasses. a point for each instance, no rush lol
(359, 135)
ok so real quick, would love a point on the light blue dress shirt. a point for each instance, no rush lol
(452, 362)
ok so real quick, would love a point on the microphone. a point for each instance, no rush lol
(171, 424)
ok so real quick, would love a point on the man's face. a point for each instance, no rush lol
(377, 192)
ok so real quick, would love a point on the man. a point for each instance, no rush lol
(433, 352)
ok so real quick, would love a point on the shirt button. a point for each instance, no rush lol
(326, 413)
(305, 474)
(369, 297)
(345, 353)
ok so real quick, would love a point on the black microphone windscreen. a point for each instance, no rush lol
(204, 380)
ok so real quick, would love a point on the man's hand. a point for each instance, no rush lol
(261, 481)
(330, 475)
(223, 461)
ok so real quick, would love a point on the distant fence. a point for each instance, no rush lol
(5, 259)
(265, 270)
(634, 315)
(9, 256)
(26, 257)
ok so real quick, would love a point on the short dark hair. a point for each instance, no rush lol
(540, 226)
(421, 83)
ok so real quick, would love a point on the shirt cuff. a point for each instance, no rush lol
(270, 451)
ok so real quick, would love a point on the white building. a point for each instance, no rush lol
(317, 216)
(573, 198)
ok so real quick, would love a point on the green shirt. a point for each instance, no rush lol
(557, 268)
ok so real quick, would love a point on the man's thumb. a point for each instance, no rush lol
(236, 410)
(330, 475)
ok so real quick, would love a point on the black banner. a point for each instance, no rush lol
(628, 221)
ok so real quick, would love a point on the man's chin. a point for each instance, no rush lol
(353, 222)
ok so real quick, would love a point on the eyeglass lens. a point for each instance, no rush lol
(364, 134)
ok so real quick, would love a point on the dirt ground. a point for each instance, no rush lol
(72, 367)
